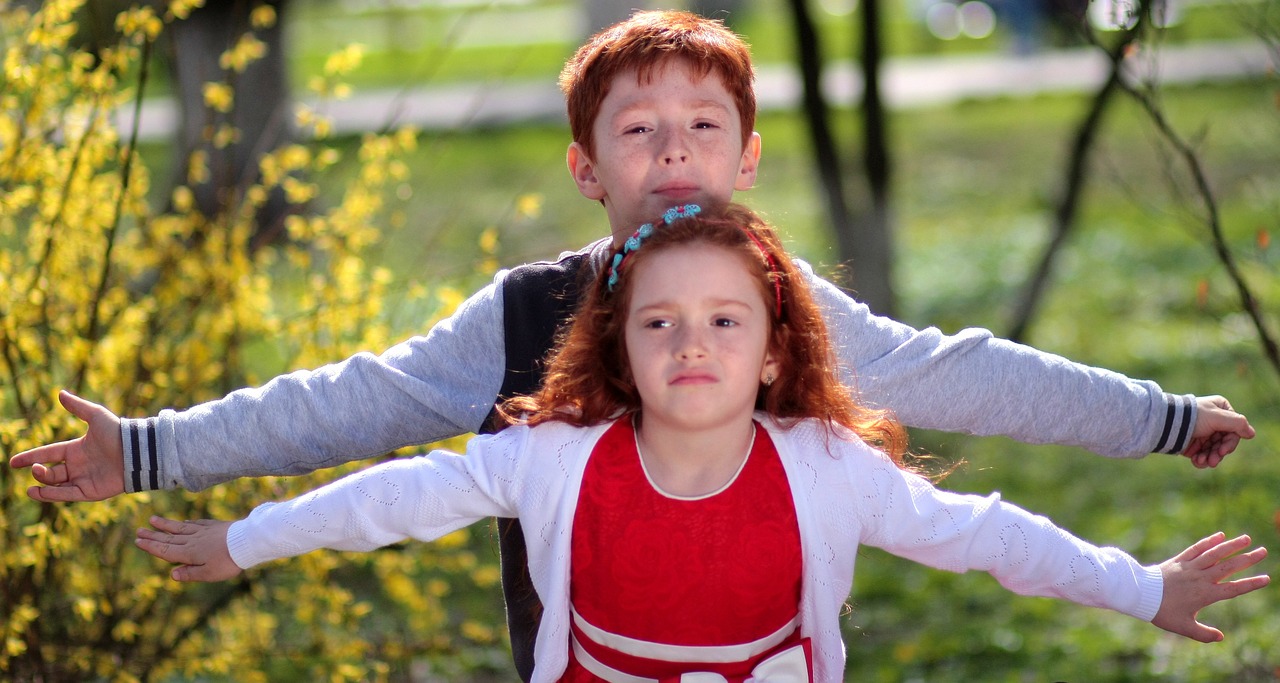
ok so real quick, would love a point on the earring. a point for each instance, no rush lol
(768, 380)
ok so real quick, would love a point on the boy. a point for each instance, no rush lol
(662, 112)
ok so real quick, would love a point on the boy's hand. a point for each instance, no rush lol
(199, 547)
(1217, 431)
(1195, 579)
(84, 469)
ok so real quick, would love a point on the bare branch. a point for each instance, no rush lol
(1064, 215)
(1186, 151)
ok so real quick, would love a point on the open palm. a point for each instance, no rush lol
(87, 468)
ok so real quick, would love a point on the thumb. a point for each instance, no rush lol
(81, 408)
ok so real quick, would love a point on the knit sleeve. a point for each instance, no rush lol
(905, 515)
(423, 498)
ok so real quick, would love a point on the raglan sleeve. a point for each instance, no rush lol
(975, 383)
(427, 388)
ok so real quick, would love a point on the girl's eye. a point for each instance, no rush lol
(638, 129)
(657, 324)
(725, 322)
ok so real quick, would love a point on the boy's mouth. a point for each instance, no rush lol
(679, 190)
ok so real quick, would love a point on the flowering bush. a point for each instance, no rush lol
(142, 309)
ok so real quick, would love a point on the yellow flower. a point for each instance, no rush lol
(345, 60)
(246, 51)
(181, 9)
(529, 205)
(219, 96)
(262, 16)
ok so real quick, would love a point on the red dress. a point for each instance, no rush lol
(663, 585)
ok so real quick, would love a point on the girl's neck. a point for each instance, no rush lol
(693, 463)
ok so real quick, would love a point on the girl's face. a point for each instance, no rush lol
(697, 332)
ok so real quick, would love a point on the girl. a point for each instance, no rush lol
(694, 454)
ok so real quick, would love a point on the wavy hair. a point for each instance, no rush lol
(588, 379)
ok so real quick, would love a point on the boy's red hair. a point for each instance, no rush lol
(588, 379)
(645, 42)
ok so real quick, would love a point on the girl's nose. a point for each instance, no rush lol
(690, 344)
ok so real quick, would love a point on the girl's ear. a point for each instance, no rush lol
(583, 171)
(772, 369)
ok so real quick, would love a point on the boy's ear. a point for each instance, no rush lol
(583, 171)
(749, 164)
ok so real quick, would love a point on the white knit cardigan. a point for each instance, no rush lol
(846, 494)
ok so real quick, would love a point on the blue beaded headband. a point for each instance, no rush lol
(637, 238)
(673, 214)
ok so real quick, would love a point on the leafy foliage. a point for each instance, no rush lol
(143, 309)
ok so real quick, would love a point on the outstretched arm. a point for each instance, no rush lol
(1218, 430)
(1195, 579)
(198, 547)
(974, 383)
(83, 469)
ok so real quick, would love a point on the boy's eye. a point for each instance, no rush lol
(638, 129)
(706, 125)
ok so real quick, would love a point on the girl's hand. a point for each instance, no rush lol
(1195, 579)
(199, 547)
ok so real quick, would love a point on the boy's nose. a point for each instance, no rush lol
(674, 149)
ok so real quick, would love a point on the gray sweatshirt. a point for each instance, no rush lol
(444, 384)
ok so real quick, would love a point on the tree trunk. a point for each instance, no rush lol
(815, 110)
(261, 114)
(869, 246)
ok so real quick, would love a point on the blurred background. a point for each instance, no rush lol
(1097, 179)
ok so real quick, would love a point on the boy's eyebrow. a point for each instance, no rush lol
(645, 103)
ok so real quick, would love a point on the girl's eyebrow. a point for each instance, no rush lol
(714, 303)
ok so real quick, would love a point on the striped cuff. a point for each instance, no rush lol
(141, 455)
(1179, 417)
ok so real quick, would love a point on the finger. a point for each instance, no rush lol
(81, 408)
(1203, 633)
(47, 455)
(172, 526)
(165, 551)
(202, 572)
(1234, 589)
(58, 494)
(1226, 445)
(1200, 547)
(50, 475)
(1219, 552)
(1239, 563)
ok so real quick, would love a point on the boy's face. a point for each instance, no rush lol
(676, 139)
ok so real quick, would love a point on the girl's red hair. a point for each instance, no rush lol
(588, 379)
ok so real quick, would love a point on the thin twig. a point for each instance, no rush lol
(1248, 301)
(1064, 215)
(131, 151)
